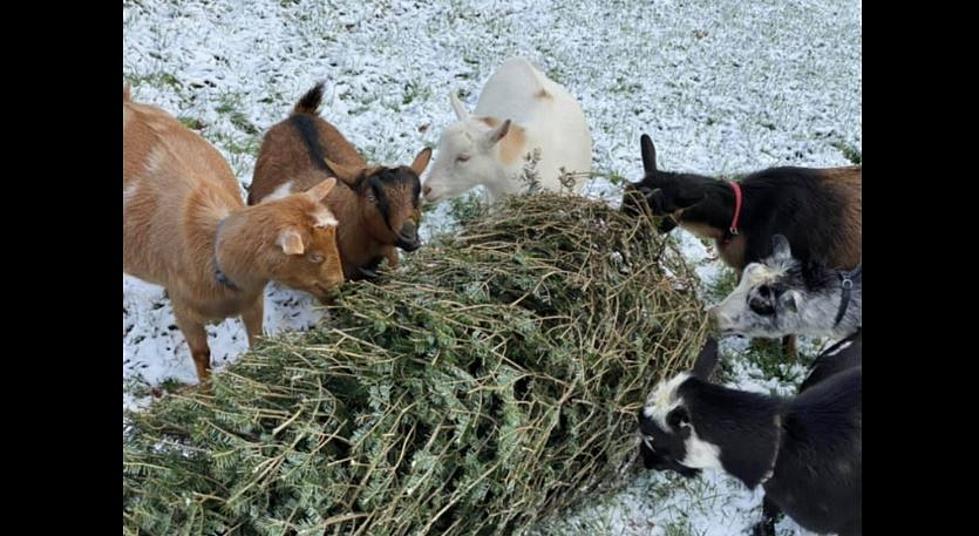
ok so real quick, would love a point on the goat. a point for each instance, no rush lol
(186, 228)
(377, 207)
(519, 112)
(804, 451)
(818, 210)
(782, 296)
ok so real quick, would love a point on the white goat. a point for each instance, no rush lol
(520, 112)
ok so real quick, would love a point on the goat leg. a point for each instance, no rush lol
(252, 318)
(789, 348)
(197, 340)
(769, 515)
(392, 257)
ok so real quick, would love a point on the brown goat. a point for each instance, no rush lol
(377, 206)
(186, 228)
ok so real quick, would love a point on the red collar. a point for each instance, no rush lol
(733, 231)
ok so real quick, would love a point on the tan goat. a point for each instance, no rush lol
(186, 228)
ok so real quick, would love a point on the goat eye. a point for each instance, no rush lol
(677, 418)
(316, 258)
(462, 158)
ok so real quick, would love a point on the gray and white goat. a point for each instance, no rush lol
(782, 296)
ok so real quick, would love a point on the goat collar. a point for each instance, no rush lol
(219, 275)
(846, 282)
(733, 230)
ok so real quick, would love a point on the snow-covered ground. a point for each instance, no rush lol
(722, 87)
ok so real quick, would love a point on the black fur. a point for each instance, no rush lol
(305, 126)
(741, 423)
(310, 102)
(822, 429)
(786, 200)
(831, 361)
(814, 440)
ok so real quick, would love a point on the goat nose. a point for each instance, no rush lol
(427, 190)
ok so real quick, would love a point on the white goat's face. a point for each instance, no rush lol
(467, 156)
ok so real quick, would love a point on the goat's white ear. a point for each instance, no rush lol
(781, 248)
(291, 242)
(460, 109)
(321, 190)
(707, 360)
(791, 300)
(498, 133)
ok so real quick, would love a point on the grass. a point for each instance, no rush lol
(230, 105)
(192, 123)
(851, 153)
(160, 79)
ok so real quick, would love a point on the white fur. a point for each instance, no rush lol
(554, 124)
(664, 399)
(128, 192)
(840, 348)
(324, 218)
(284, 190)
(701, 454)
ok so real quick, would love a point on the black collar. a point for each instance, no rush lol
(846, 282)
(219, 275)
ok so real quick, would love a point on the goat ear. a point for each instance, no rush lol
(348, 174)
(707, 360)
(320, 191)
(648, 154)
(421, 161)
(291, 242)
(460, 109)
(790, 300)
(780, 247)
(498, 133)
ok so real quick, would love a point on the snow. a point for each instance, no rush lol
(722, 88)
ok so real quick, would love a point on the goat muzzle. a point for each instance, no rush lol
(407, 237)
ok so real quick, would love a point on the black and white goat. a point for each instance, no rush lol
(805, 451)
(782, 295)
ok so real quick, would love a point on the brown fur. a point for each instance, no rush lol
(363, 237)
(846, 253)
(848, 182)
(514, 143)
(177, 188)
